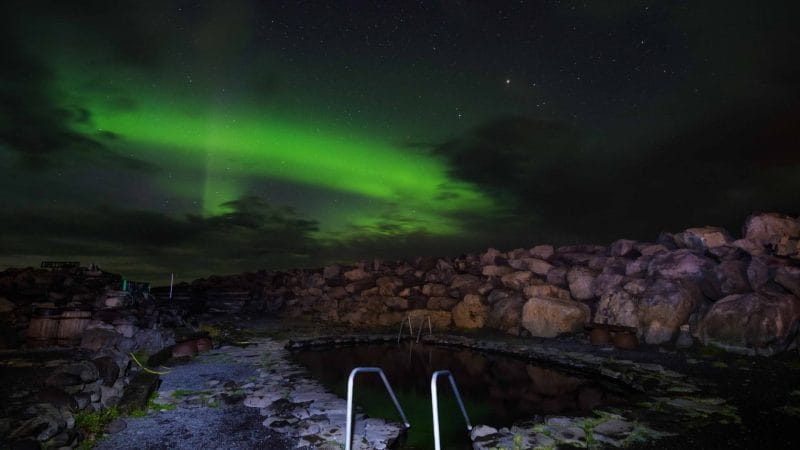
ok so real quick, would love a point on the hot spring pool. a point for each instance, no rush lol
(497, 390)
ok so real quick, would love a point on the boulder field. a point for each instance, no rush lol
(736, 293)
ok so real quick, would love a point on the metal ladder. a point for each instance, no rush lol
(407, 318)
(435, 404)
(349, 429)
(348, 437)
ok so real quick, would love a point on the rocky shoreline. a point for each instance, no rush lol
(696, 289)
(701, 285)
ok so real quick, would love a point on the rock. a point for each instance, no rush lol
(788, 247)
(664, 307)
(732, 277)
(46, 422)
(96, 339)
(388, 286)
(516, 280)
(330, 272)
(652, 249)
(480, 431)
(490, 257)
(789, 278)
(623, 247)
(204, 344)
(470, 312)
(109, 396)
(557, 276)
(440, 320)
(356, 274)
(607, 282)
(85, 370)
(749, 247)
(62, 379)
(546, 290)
(549, 317)
(680, 265)
(538, 266)
(704, 238)
(635, 287)
(138, 392)
(684, 338)
(581, 281)
(183, 349)
(751, 323)
(116, 426)
(442, 303)
(506, 314)
(396, 303)
(496, 271)
(434, 290)
(638, 267)
(762, 269)
(618, 308)
(768, 229)
(465, 284)
(544, 252)
(6, 306)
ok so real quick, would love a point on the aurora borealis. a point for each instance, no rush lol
(218, 137)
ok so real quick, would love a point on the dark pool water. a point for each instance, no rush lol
(497, 390)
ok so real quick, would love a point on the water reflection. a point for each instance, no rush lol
(497, 390)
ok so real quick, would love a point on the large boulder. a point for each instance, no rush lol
(680, 265)
(704, 238)
(664, 307)
(751, 323)
(732, 277)
(470, 312)
(581, 283)
(789, 278)
(618, 308)
(550, 317)
(506, 314)
(768, 229)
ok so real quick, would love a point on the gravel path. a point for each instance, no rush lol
(194, 425)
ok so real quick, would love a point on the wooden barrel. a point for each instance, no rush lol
(600, 336)
(626, 340)
(73, 322)
(43, 327)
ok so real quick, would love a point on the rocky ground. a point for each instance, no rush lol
(703, 322)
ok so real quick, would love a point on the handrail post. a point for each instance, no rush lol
(435, 405)
(410, 328)
(349, 429)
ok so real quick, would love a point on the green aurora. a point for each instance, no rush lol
(248, 143)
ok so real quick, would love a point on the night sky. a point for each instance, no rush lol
(225, 136)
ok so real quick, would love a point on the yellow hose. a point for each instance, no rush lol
(145, 368)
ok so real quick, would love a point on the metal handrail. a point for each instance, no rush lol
(410, 328)
(430, 328)
(350, 419)
(435, 404)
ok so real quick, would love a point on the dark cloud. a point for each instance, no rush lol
(252, 234)
(715, 172)
(37, 128)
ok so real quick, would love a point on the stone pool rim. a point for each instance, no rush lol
(643, 378)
